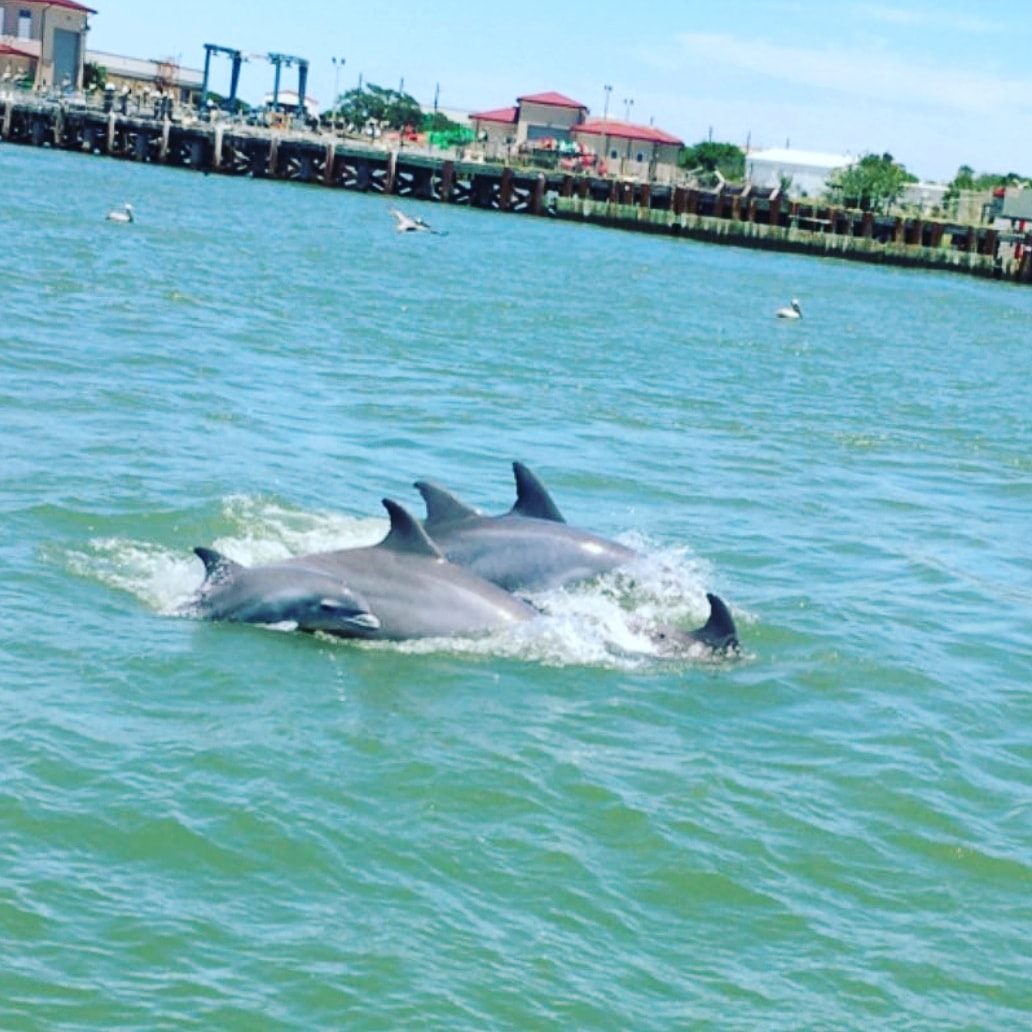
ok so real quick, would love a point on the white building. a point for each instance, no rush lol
(287, 100)
(926, 198)
(807, 171)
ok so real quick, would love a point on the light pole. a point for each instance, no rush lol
(627, 105)
(338, 67)
(605, 123)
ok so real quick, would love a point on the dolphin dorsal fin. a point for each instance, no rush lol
(719, 630)
(441, 505)
(532, 499)
(406, 535)
(216, 565)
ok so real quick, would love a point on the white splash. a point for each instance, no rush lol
(608, 622)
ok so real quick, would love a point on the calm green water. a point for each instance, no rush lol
(208, 826)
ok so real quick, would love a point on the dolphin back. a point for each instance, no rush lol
(442, 506)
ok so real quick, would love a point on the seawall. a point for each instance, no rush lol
(733, 216)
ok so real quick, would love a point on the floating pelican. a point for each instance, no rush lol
(125, 214)
(794, 311)
(405, 224)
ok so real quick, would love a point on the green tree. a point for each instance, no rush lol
(93, 76)
(378, 106)
(874, 183)
(725, 158)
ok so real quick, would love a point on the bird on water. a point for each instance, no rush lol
(794, 311)
(124, 214)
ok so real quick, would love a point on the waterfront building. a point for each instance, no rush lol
(495, 130)
(551, 123)
(535, 119)
(631, 151)
(44, 41)
(807, 172)
(139, 75)
(286, 101)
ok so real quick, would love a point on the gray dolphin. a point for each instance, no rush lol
(529, 548)
(414, 591)
(718, 634)
(314, 599)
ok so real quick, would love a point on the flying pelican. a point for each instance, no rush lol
(794, 311)
(125, 214)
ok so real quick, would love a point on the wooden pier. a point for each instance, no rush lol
(728, 216)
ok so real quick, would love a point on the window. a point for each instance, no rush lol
(614, 154)
(640, 156)
(24, 24)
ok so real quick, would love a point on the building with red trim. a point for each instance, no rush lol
(631, 151)
(536, 117)
(552, 121)
(43, 40)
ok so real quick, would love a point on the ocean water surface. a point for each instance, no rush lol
(216, 826)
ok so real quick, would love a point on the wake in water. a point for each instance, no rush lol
(612, 621)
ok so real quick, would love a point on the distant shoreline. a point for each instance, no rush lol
(725, 216)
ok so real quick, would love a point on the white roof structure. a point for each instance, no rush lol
(808, 171)
(801, 158)
(288, 99)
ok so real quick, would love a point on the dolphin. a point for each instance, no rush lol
(414, 591)
(529, 548)
(718, 634)
(314, 599)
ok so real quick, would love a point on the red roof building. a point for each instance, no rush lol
(54, 33)
(552, 122)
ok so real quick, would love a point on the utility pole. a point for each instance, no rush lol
(605, 124)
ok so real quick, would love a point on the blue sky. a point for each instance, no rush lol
(937, 84)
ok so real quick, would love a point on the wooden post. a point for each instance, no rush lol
(774, 218)
(990, 242)
(216, 151)
(331, 156)
(752, 209)
(110, 146)
(897, 231)
(692, 206)
(392, 171)
(447, 187)
(505, 189)
(537, 200)
(166, 128)
(567, 190)
(8, 114)
(680, 197)
(645, 200)
(274, 156)
(867, 222)
(971, 244)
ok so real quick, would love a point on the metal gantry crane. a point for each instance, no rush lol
(280, 60)
(237, 58)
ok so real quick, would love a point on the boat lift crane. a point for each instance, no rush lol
(288, 60)
(278, 61)
(237, 57)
